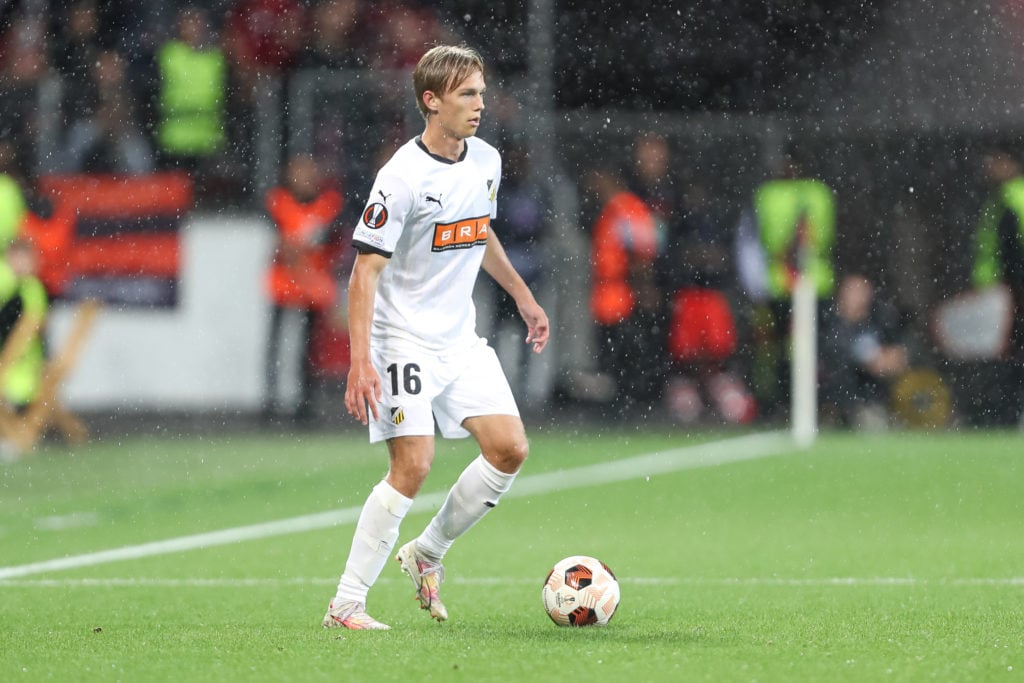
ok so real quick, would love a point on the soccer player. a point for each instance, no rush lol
(416, 357)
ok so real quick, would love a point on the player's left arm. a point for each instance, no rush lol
(498, 266)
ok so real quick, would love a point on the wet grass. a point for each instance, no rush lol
(863, 559)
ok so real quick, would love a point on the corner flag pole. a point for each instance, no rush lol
(804, 367)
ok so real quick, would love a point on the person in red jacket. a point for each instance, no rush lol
(304, 209)
(624, 300)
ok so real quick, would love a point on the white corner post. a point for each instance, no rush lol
(804, 366)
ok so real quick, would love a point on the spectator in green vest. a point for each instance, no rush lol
(789, 229)
(999, 239)
(999, 259)
(23, 302)
(12, 195)
(796, 218)
(192, 75)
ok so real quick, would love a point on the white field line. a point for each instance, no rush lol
(807, 582)
(737, 449)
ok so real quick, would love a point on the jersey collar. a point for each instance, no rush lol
(443, 160)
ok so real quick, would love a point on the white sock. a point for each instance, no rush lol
(375, 536)
(477, 491)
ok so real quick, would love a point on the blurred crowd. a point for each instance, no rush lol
(689, 299)
(694, 303)
(120, 62)
(146, 86)
(119, 89)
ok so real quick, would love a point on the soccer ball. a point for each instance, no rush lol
(580, 591)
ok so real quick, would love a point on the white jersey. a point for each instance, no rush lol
(431, 216)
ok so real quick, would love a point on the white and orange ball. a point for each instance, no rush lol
(580, 591)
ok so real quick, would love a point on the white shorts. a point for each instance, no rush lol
(420, 386)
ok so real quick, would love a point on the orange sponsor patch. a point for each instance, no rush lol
(461, 234)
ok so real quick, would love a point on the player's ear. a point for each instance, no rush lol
(431, 101)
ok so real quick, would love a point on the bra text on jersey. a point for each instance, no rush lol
(462, 234)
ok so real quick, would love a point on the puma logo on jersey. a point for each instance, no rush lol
(462, 234)
(436, 200)
(383, 197)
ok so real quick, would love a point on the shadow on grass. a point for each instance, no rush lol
(622, 632)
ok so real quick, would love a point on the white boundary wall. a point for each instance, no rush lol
(208, 353)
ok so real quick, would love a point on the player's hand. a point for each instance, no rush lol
(537, 327)
(363, 392)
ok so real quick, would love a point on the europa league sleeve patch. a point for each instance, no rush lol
(375, 216)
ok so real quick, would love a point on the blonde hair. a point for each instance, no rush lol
(441, 70)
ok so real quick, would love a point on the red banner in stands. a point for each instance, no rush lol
(116, 238)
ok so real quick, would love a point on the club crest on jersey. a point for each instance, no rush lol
(492, 190)
(375, 216)
(462, 234)
(397, 415)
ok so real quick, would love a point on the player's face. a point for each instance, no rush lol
(459, 110)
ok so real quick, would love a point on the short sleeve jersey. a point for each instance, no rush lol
(431, 217)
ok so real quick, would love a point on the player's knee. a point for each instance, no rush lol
(407, 473)
(418, 470)
(409, 477)
(510, 456)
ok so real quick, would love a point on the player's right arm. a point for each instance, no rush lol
(364, 385)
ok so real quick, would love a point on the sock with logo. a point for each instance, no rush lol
(478, 489)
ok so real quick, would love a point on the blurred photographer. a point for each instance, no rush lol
(860, 360)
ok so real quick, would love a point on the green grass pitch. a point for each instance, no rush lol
(865, 558)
